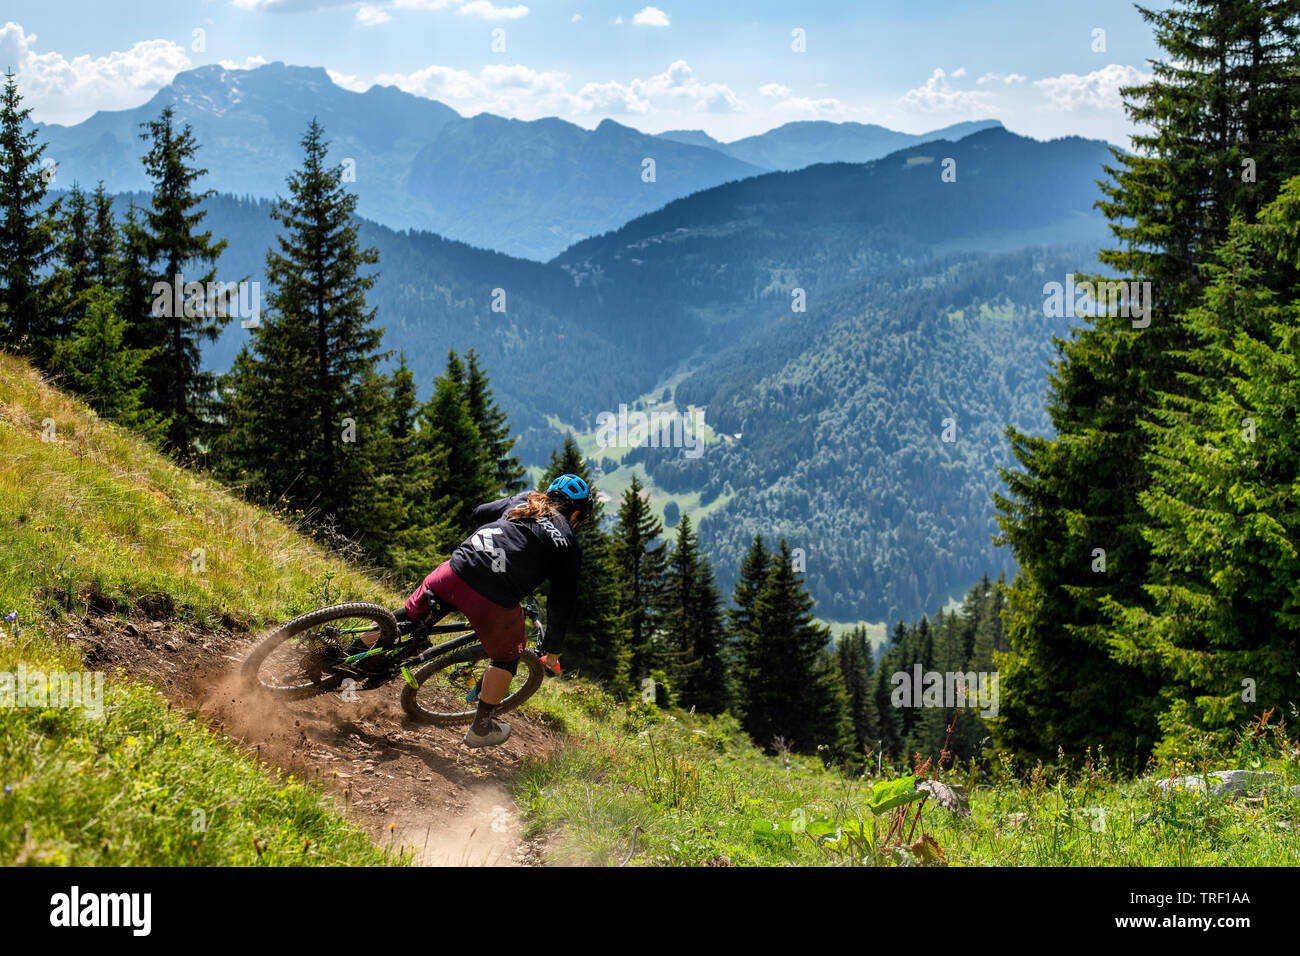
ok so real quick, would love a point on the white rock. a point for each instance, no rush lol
(1222, 782)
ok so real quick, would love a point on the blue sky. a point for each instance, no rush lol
(727, 68)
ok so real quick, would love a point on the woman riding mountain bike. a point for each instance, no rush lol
(520, 542)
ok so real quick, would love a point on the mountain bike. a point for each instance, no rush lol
(318, 652)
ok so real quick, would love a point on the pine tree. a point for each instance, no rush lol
(597, 642)
(946, 656)
(103, 239)
(909, 728)
(989, 636)
(132, 280)
(796, 693)
(894, 721)
(180, 388)
(746, 648)
(828, 710)
(643, 564)
(493, 429)
(303, 406)
(27, 233)
(857, 672)
(1223, 632)
(1072, 516)
(102, 369)
(693, 626)
(448, 430)
(72, 277)
(416, 525)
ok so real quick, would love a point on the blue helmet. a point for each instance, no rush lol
(569, 488)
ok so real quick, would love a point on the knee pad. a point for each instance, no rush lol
(438, 608)
(511, 666)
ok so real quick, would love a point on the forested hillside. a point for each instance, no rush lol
(871, 430)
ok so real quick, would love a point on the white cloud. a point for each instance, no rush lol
(650, 17)
(488, 11)
(617, 21)
(576, 18)
(960, 71)
(369, 16)
(373, 13)
(349, 81)
(674, 89)
(1004, 78)
(1098, 90)
(608, 97)
(62, 90)
(250, 63)
(825, 108)
(774, 89)
(937, 95)
(289, 6)
(524, 93)
(515, 91)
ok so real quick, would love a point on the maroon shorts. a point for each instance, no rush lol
(500, 629)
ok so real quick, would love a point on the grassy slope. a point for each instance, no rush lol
(95, 520)
(702, 794)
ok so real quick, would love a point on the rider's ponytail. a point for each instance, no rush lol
(538, 505)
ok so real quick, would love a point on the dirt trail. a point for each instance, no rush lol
(409, 784)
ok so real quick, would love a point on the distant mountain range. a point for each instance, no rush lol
(533, 189)
(803, 143)
(530, 189)
(705, 269)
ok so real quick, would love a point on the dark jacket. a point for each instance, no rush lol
(506, 560)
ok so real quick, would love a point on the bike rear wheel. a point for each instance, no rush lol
(297, 658)
(444, 683)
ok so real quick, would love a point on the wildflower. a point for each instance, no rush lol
(8, 790)
(11, 616)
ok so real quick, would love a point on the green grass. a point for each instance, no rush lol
(702, 793)
(615, 483)
(145, 785)
(97, 514)
(877, 632)
(92, 520)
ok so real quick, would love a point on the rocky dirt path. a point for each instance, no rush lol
(409, 784)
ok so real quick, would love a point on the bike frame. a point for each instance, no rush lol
(402, 647)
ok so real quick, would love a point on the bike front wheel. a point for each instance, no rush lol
(444, 684)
